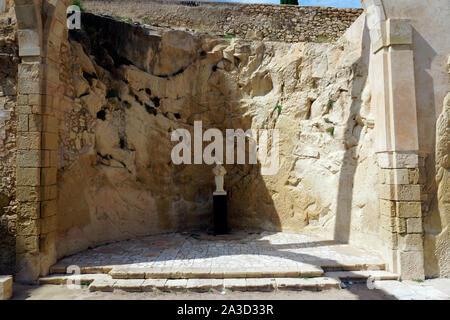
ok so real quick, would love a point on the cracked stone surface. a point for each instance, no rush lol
(238, 252)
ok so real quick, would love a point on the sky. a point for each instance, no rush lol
(327, 3)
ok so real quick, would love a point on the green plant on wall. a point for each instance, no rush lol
(78, 4)
(112, 93)
(277, 107)
(292, 2)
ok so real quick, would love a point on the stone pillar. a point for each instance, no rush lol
(29, 158)
(401, 212)
(398, 150)
(37, 135)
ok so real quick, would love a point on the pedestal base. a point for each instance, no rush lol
(220, 213)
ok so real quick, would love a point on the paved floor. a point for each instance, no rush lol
(434, 289)
(238, 250)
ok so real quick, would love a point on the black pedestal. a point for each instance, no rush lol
(220, 214)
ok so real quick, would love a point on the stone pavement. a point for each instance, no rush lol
(242, 261)
(234, 254)
(434, 289)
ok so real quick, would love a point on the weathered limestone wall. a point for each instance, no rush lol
(8, 125)
(127, 90)
(247, 21)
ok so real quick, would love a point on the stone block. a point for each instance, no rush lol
(313, 284)
(389, 238)
(27, 244)
(175, 285)
(22, 100)
(28, 176)
(204, 285)
(398, 160)
(129, 285)
(35, 122)
(29, 46)
(102, 285)
(235, 284)
(399, 32)
(49, 224)
(48, 176)
(6, 287)
(49, 208)
(407, 192)
(28, 227)
(409, 209)
(198, 273)
(28, 158)
(22, 122)
(28, 81)
(262, 284)
(47, 244)
(23, 110)
(150, 285)
(29, 210)
(414, 176)
(401, 225)
(233, 273)
(50, 125)
(28, 194)
(378, 36)
(27, 267)
(34, 99)
(411, 265)
(410, 242)
(155, 273)
(49, 192)
(395, 176)
(29, 141)
(414, 225)
(387, 208)
(49, 159)
(388, 222)
(128, 273)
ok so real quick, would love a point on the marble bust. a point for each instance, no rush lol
(219, 173)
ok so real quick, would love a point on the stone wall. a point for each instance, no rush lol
(8, 125)
(247, 21)
(124, 97)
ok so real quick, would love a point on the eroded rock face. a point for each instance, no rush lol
(443, 181)
(127, 89)
(8, 127)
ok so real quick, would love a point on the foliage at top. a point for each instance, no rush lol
(293, 2)
(78, 4)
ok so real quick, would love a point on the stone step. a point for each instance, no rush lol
(84, 279)
(106, 283)
(206, 285)
(6, 287)
(62, 268)
(362, 275)
(353, 267)
(302, 270)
